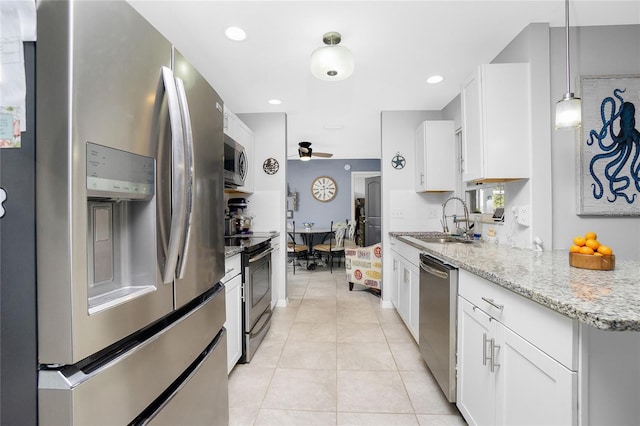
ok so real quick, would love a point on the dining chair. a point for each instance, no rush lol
(295, 250)
(335, 246)
(350, 235)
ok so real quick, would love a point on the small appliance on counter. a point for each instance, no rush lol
(236, 221)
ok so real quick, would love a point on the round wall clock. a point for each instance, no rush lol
(324, 189)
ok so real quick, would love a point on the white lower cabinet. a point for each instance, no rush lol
(476, 383)
(503, 379)
(531, 387)
(276, 286)
(405, 290)
(233, 292)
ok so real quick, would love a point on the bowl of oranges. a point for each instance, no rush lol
(588, 253)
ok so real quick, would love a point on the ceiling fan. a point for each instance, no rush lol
(305, 152)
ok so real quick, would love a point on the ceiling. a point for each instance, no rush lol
(396, 45)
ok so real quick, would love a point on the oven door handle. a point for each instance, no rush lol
(265, 322)
(261, 255)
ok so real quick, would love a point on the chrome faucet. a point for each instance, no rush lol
(445, 227)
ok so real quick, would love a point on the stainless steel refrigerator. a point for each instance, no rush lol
(130, 229)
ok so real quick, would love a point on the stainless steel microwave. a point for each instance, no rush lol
(235, 163)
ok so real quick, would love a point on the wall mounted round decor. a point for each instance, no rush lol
(270, 166)
(398, 161)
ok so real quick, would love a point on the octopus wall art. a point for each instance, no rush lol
(609, 165)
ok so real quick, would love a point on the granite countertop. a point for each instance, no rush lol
(232, 250)
(608, 300)
(266, 234)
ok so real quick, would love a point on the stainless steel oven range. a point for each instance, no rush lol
(256, 292)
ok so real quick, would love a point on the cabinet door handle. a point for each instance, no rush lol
(421, 178)
(485, 358)
(493, 303)
(493, 363)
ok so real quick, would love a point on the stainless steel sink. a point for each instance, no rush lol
(447, 239)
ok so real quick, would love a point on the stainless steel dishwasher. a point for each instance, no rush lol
(438, 301)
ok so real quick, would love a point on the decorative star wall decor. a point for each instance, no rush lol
(398, 161)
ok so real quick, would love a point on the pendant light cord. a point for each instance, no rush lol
(566, 26)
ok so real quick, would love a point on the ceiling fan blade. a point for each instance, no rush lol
(305, 150)
(321, 154)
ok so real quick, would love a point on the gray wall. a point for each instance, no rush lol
(300, 175)
(606, 50)
(18, 341)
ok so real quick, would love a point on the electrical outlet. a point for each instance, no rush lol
(398, 213)
(432, 213)
(522, 216)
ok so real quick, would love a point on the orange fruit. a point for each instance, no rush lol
(605, 250)
(593, 244)
(574, 249)
(590, 236)
(579, 241)
(598, 254)
(586, 250)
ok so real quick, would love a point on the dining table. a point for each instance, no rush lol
(309, 236)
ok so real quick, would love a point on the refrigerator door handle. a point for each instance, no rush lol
(188, 157)
(178, 179)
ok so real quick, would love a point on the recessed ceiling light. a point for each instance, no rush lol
(235, 34)
(435, 79)
(275, 101)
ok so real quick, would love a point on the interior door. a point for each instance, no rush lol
(372, 210)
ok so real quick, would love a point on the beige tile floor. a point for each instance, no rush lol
(334, 357)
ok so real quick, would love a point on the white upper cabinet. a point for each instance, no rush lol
(435, 156)
(244, 136)
(229, 124)
(241, 133)
(496, 123)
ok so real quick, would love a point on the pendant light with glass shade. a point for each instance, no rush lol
(568, 109)
(332, 62)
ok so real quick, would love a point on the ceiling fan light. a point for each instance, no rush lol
(305, 156)
(568, 112)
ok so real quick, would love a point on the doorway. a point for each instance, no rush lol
(358, 195)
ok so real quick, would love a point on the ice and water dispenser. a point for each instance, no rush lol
(121, 234)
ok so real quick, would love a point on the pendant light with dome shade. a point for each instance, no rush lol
(568, 109)
(332, 62)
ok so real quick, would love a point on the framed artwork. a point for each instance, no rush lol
(609, 149)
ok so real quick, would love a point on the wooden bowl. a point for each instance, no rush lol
(589, 261)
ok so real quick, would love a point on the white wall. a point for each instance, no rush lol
(268, 202)
(398, 136)
(532, 46)
(606, 50)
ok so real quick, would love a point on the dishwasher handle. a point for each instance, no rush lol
(433, 271)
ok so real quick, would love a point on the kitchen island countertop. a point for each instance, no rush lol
(608, 300)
